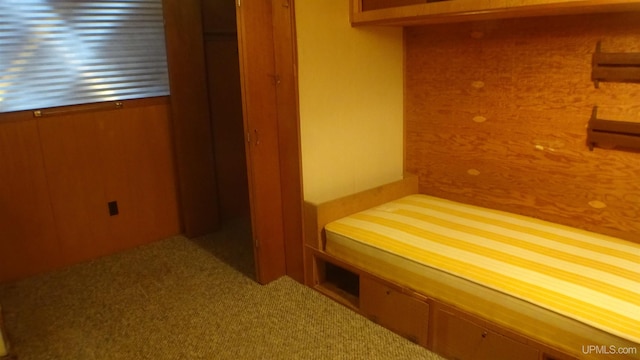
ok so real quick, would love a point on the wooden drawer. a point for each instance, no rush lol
(458, 338)
(401, 313)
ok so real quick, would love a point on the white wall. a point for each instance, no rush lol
(351, 101)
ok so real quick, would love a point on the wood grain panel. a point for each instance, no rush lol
(73, 162)
(28, 238)
(402, 313)
(124, 156)
(496, 115)
(60, 172)
(140, 166)
(456, 337)
(259, 81)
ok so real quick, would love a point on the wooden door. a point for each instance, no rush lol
(259, 83)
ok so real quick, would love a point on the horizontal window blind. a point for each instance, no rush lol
(55, 53)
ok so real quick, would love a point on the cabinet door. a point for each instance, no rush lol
(460, 339)
(400, 313)
(384, 4)
(423, 12)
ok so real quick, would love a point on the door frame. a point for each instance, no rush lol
(192, 137)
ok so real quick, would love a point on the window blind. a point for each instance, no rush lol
(55, 53)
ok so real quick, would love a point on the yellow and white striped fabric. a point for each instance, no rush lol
(588, 277)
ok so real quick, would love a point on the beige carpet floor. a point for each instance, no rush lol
(185, 299)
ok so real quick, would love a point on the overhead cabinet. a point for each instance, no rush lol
(419, 12)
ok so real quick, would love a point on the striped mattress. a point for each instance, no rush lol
(553, 281)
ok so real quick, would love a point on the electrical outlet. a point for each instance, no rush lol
(113, 208)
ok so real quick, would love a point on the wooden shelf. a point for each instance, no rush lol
(615, 67)
(612, 133)
(397, 13)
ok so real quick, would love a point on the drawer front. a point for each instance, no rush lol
(460, 339)
(401, 313)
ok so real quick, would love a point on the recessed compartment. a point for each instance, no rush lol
(338, 282)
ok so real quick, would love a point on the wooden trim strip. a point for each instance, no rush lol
(66, 110)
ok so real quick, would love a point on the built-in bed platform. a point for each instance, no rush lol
(545, 291)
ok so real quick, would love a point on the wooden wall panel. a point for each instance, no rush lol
(123, 155)
(74, 168)
(62, 171)
(151, 179)
(496, 115)
(28, 238)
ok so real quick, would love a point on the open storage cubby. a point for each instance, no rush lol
(338, 282)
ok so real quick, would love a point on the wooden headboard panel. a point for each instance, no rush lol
(496, 115)
(318, 215)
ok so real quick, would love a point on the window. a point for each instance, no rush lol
(55, 53)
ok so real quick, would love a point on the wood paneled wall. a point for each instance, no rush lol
(60, 172)
(496, 115)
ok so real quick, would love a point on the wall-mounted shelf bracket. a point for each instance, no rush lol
(615, 67)
(612, 133)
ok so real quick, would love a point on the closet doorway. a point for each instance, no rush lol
(225, 107)
(250, 57)
(220, 43)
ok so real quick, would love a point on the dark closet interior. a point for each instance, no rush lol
(225, 104)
